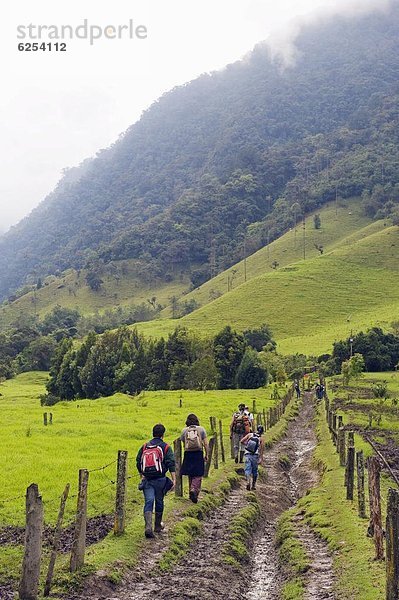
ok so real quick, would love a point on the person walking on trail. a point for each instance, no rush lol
(319, 391)
(297, 388)
(153, 461)
(239, 426)
(254, 447)
(195, 443)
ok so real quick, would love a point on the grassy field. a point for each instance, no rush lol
(88, 434)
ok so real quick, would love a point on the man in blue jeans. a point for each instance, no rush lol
(153, 461)
(253, 456)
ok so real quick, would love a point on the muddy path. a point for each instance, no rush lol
(202, 572)
(290, 474)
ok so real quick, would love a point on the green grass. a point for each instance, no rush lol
(338, 227)
(309, 303)
(88, 434)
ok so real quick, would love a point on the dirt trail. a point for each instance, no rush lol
(289, 475)
(202, 573)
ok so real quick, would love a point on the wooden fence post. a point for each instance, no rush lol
(341, 446)
(360, 484)
(350, 442)
(178, 460)
(223, 456)
(231, 447)
(56, 541)
(51, 418)
(79, 537)
(254, 407)
(210, 456)
(392, 536)
(215, 451)
(375, 506)
(264, 419)
(45, 419)
(29, 583)
(334, 428)
(350, 469)
(120, 501)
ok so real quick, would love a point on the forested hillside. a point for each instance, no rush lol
(217, 167)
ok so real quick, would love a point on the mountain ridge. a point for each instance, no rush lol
(228, 151)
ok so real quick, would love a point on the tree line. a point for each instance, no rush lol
(126, 361)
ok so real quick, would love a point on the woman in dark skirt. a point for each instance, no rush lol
(195, 442)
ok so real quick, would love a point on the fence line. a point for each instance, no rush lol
(375, 527)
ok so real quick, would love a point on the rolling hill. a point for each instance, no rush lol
(309, 303)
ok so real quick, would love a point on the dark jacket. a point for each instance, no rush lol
(169, 457)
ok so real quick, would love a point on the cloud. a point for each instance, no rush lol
(282, 41)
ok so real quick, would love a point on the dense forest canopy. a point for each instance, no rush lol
(224, 163)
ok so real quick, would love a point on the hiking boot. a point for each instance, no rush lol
(241, 456)
(236, 459)
(148, 532)
(159, 526)
(193, 496)
(254, 483)
(248, 486)
(253, 487)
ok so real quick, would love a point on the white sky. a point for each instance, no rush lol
(59, 108)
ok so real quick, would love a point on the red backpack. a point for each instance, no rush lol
(152, 458)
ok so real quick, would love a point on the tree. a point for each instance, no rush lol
(94, 280)
(258, 338)
(251, 374)
(352, 368)
(228, 350)
(37, 356)
(202, 374)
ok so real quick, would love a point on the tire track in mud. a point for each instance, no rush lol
(201, 573)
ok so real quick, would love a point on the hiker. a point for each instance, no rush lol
(195, 442)
(239, 427)
(153, 461)
(319, 391)
(254, 448)
(250, 417)
(297, 388)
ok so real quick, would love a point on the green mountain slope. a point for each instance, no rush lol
(320, 300)
(225, 159)
(122, 286)
(310, 303)
(341, 223)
